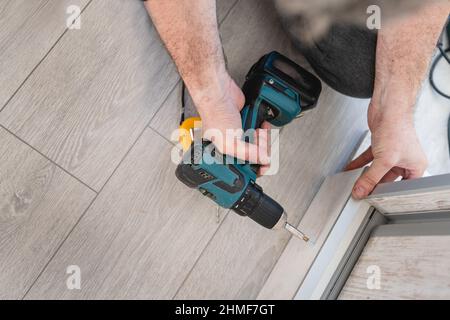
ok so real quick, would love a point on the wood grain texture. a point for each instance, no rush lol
(417, 202)
(411, 267)
(292, 266)
(28, 30)
(39, 205)
(417, 195)
(96, 91)
(140, 238)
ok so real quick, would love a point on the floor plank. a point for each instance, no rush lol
(426, 194)
(39, 205)
(141, 236)
(95, 93)
(409, 266)
(28, 30)
(223, 8)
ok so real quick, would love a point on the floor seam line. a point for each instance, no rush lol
(200, 255)
(60, 246)
(90, 205)
(147, 126)
(40, 61)
(228, 13)
(165, 100)
(160, 135)
(48, 159)
(87, 209)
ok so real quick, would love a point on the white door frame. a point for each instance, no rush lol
(319, 270)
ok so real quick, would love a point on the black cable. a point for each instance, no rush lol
(443, 54)
(183, 102)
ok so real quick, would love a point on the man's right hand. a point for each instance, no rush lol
(190, 32)
(222, 123)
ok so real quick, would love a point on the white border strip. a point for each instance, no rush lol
(333, 250)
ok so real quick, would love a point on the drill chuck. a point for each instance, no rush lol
(259, 207)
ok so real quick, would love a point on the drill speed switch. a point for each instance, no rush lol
(276, 90)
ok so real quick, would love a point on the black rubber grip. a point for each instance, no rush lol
(259, 207)
(261, 115)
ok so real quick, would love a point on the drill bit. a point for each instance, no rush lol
(289, 227)
(284, 224)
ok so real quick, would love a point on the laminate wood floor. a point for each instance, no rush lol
(86, 176)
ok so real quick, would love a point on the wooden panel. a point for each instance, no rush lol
(39, 205)
(425, 194)
(28, 30)
(411, 267)
(290, 270)
(95, 93)
(427, 201)
(140, 238)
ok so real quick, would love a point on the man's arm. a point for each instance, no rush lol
(404, 50)
(190, 32)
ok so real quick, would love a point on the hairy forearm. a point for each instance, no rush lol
(404, 51)
(190, 32)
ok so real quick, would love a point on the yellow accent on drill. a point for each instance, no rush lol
(186, 131)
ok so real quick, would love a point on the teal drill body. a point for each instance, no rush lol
(276, 90)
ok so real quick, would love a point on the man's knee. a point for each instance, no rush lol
(344, 59)
(355, 80)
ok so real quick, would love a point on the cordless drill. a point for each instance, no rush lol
(276, 90)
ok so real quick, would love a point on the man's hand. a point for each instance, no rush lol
(395, 152)
(190, 32)
(404, 50)
(222, 124)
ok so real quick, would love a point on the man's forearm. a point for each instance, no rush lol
(190, 32)
(404, 50)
